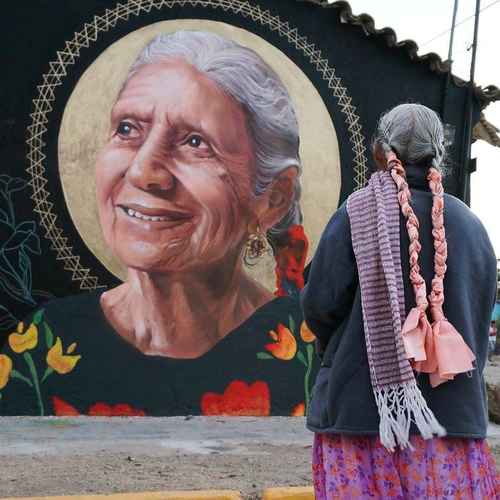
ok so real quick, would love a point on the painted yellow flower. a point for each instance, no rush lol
(59, 362)
(305, 333)
(5, 369)
(20, 342)
(284, 346)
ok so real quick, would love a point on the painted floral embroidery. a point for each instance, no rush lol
(305, 334)
(23, 342)
(284, 346)
(118, 410)
(18, 243)
(5, 370)
(293, 343)
(59, 362)
(239, 398)
(290, 262)
(299, 410)
(64, 409)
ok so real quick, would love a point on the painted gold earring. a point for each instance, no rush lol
(255, 247)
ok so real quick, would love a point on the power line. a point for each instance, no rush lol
(458, 24)
(467, 49)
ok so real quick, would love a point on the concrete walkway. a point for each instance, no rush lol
(156, 436)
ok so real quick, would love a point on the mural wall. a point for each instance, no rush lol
(179, 163)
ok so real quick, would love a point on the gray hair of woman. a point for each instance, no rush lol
(247, 78)
(414, 132)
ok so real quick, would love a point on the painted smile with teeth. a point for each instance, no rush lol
(138, 215)
(155, 215)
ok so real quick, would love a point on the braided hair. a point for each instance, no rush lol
(413, 133)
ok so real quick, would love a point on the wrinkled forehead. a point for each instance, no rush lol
(174, 91)
(172, 78)
(179, 85)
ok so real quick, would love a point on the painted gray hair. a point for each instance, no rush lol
(414, 132)
(244, 75)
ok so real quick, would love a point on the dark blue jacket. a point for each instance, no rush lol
(343, 400)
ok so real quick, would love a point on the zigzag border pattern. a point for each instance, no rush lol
(58, 68)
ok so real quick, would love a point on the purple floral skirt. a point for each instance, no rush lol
(346, 467)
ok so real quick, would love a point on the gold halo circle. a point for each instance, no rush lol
(86, 120)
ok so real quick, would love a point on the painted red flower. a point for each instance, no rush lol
(291, 254)
(118, 410)
(64, 409)
(239, 398)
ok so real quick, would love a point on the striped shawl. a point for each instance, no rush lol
(374, 219)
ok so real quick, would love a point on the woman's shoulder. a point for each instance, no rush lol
(338, 227)
(79, 302)
(457, 210)
(83, 308)
(266, 317)
(457, 206)
(460, 219)
(253, 333)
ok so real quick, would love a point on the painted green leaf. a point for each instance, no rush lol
(302, 358)
(291, 324)
(4, 217)
(17, 375)
(263, 355)
(310, 353)
(36, 384)
(48, 371)
(37, 317)
(49, 336)
(7, 319)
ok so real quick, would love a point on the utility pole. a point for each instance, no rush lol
(449, 129)
(467, 139)
(450, 62)
(452, 33)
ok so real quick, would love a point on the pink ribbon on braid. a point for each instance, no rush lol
(452, 353)
(438, 349)
(416, 331)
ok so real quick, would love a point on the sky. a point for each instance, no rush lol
(428, 23)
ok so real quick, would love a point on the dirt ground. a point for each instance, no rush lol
(115, 473)
(90, 456)
(104, 473)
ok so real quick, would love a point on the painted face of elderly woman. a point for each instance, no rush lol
(181, 186)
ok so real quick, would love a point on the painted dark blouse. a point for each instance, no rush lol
(238, 376)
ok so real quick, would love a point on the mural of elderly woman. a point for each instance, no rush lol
(202, 161)
(199, 172)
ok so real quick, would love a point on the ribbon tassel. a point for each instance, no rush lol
(430, 365)
(414, 332)
(438, 350)
(453, 355)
